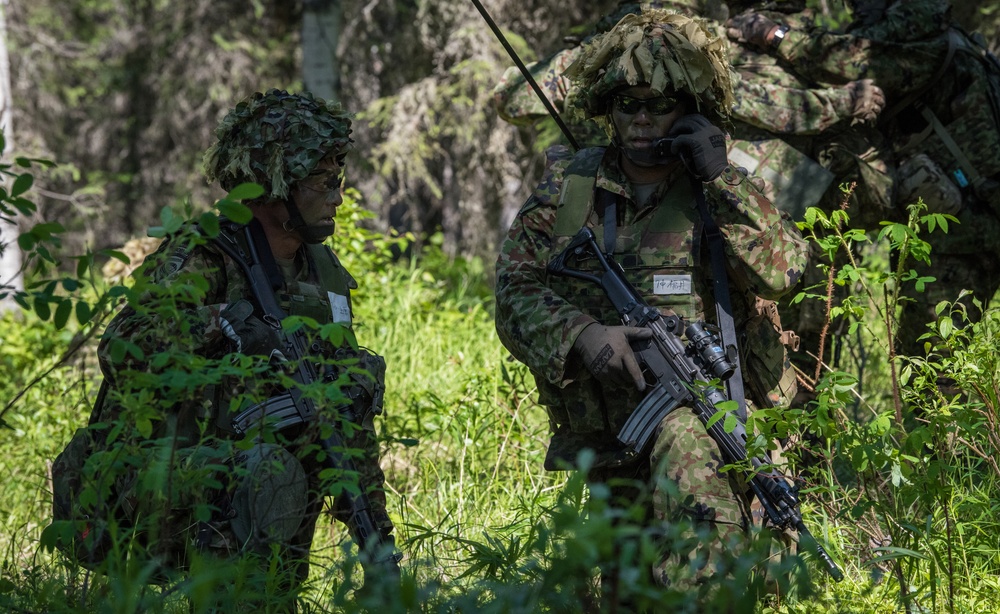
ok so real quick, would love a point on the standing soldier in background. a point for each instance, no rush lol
(199, 481)
(674, 81)
(942, 126)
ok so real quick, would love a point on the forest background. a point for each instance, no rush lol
(123, 95)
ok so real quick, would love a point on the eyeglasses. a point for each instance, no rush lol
(324, 179)
(660, 105)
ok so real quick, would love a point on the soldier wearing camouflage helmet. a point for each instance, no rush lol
(656, 74)
(260, 496)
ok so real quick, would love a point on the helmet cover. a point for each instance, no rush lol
(275, 139)
(669, 52)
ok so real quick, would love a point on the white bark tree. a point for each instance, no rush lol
(10, 255)
(321, 25)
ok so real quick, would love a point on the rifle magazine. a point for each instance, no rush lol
(278, 413)
(642, 422)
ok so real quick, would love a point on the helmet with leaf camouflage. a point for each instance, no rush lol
(709, 9)
(669, 52)
(276, 139)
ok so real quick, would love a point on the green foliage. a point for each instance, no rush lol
(907, 506)
(889, 467)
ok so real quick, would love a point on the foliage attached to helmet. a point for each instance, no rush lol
(276, 139)
(669, 52)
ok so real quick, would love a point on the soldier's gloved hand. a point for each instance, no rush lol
(867, 99)
(608, 356)
(700, 144)
(751, 29)
(249, 334)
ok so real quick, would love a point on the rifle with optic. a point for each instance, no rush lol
(679, 375)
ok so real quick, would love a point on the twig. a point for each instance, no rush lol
(58, 363)
(893, 375)
(826, 323)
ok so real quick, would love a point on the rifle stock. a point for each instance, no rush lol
(679, 374)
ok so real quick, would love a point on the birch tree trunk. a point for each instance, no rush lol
(11, 277)
(321, 24)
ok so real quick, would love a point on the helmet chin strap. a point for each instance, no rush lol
(296, 223)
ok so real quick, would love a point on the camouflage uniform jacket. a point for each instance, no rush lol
(906, 54)
(539, 316)
(184, 325)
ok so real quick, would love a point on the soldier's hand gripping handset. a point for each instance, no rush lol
(700, 144)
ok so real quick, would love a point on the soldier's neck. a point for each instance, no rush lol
(637, 173)
(284, 243)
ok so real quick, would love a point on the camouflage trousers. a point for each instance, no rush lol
(703, 513)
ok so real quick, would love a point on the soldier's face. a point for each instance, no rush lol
(318, 195)
(640, 115)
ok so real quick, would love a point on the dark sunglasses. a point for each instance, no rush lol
(331, 182)
(661, 105)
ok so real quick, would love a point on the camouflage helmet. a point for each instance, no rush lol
(709, 9)
(276, 139)
(667, 51)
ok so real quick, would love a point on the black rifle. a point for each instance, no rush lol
(680, 375)
(293, 407)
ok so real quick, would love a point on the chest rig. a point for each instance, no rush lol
(321, 290)
(658, 247)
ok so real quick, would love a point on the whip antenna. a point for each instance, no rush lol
(527, 75)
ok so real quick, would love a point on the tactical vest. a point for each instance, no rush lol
(659, 252)
(321, 292)
(963, 135)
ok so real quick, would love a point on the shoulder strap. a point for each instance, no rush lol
(953, 42)
(576, 197)
(260, 252)
(723, 303)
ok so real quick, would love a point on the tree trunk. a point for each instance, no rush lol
(11, 277)
(321, 24)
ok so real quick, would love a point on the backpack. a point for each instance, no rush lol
(965, 145)
(79, 511)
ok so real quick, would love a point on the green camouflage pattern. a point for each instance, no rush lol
(539, 316)
(904, 53)
(275, 139)
(669, 52)
(201, 426)
(686, 455)
(767, 97)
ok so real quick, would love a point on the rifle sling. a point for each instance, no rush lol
(262, 255)
(607, 203)
(723, 303)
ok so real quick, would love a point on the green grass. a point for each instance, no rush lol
(484, 527)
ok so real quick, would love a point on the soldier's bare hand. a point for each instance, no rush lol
(867, 99)
(750, 28)
(607, 353)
